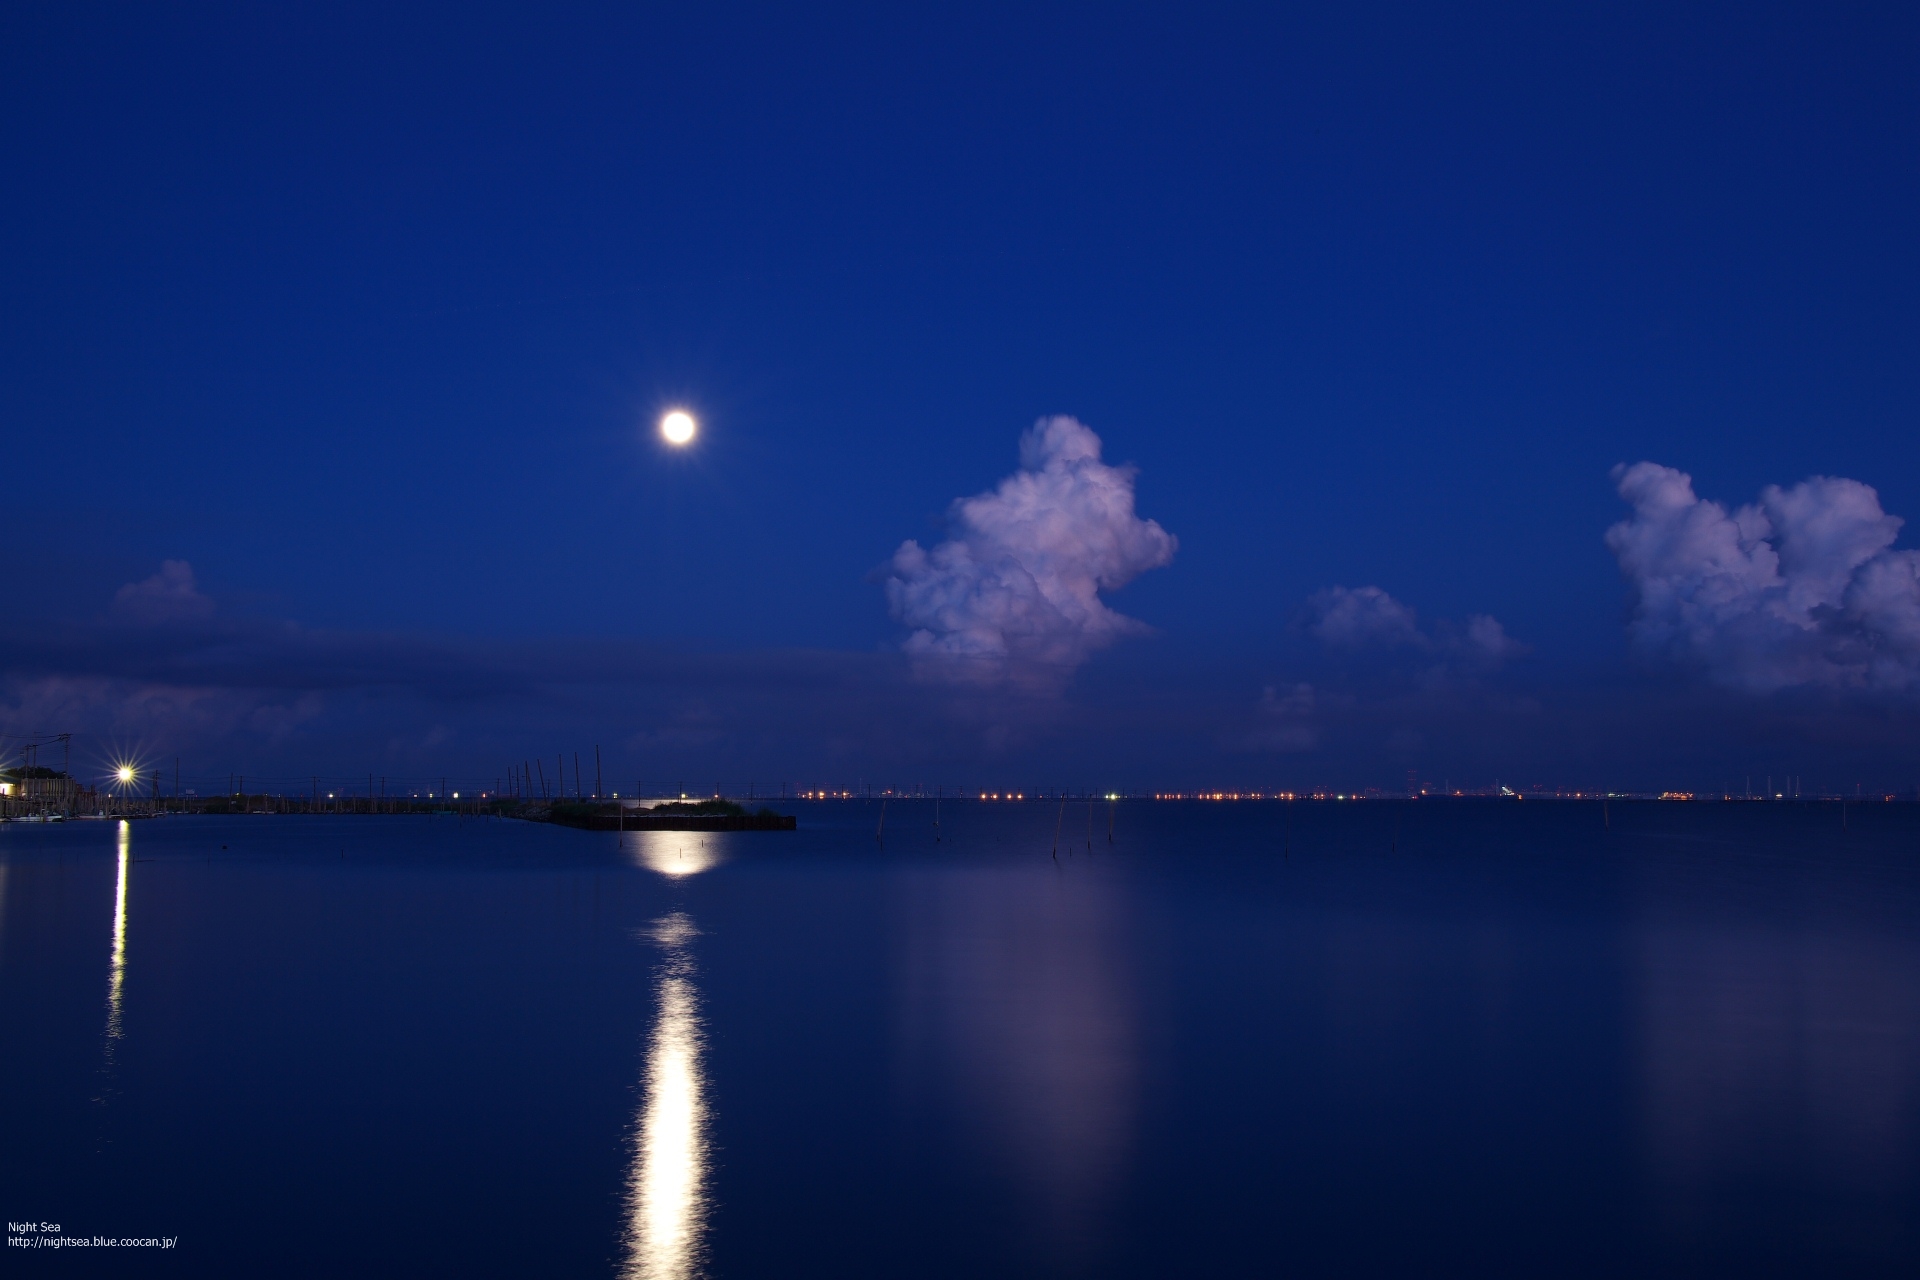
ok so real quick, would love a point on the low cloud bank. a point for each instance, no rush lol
(1800, 589)
(164, 672)
(1014, 594)
(223, 691)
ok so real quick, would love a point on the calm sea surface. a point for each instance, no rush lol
(1447, 1038)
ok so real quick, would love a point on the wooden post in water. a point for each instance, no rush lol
(1056, 827)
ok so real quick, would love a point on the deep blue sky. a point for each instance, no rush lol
(367, 312)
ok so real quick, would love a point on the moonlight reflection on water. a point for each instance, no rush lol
(666, 1190)
(117, 964)
(673, 854)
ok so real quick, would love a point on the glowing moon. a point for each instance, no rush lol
(678, 427)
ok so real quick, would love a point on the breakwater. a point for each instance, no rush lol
(708, 815)
(717, 815)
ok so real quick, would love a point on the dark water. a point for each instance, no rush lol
(1444, 1039)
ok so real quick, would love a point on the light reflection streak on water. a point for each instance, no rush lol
(666, 1188)
(117, 970)
(1016, 995)
(1790, 1046)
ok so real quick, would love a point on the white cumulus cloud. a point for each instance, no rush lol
(1014, 593)
(1801, 588)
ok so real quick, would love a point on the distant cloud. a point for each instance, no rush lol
(1386, 666)
(1487, 642)
(1014, 593)
(1355, 619)
(1360, 618)
(1799, 589)
(1286, 720)
(170, 595)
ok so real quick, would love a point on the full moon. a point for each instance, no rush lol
(678, 427)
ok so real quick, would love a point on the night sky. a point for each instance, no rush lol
(1260, 391)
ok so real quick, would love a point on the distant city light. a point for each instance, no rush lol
(124, 773)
